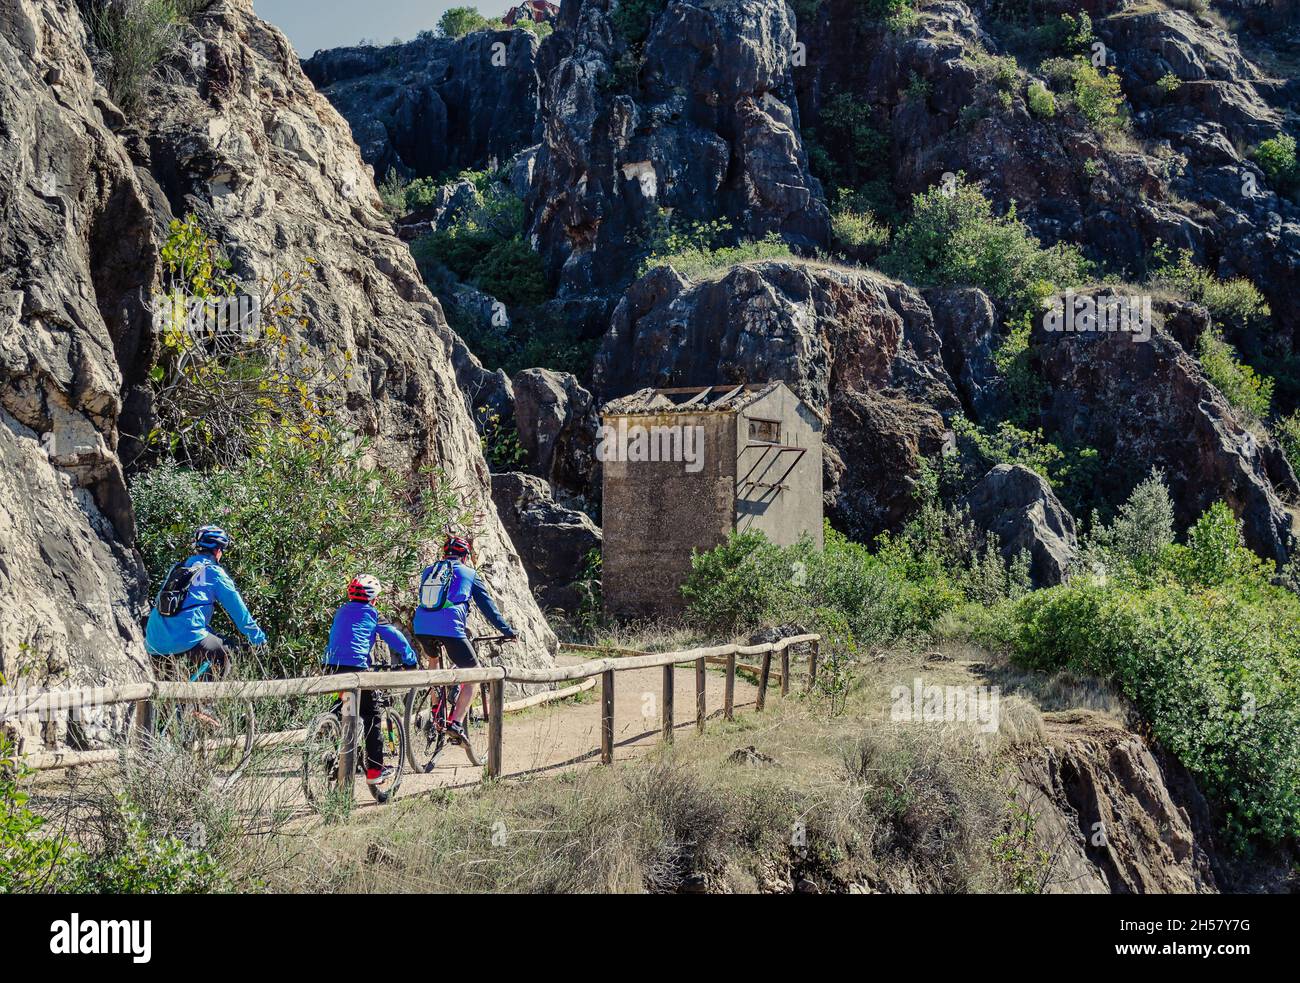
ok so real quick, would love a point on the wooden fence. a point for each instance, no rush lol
(143, 695)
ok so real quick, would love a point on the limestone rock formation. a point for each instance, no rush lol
(1114, 816)
(75, 343)
(434, 105)
(699, 120)
(239, 137)
(553, 541)
(1019, 506)
(557, 422)
(1147, 404)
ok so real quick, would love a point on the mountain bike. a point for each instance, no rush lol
(221, 732)
(323, 746)
(428, 710)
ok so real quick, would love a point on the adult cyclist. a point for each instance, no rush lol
(446, 589)
(178, 627)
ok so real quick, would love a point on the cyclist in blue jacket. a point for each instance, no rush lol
(446, 589)
(352, 635)
(206, 584)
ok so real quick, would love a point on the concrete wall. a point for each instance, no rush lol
(655, 512)
(797, 510)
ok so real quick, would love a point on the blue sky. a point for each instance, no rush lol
(313, 24)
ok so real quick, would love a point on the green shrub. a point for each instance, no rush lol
(632, 19)
(1099, 97)
(698, 249)
(1135, 544)
(1212, 670)
(456, 22)
(1169, 83)
(31, 861)
(1240, 384)
(305, 519)
(857, 229)
(1287, 432)
(142, 863)
(1277, 158)
(134, 37)
(1073, 473)
(1236, 305)
(954, 238)
(511, 272)
(1041, 101)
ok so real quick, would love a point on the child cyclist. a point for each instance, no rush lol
(446, 589)
(356, 625)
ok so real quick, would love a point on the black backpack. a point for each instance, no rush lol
(176, 589)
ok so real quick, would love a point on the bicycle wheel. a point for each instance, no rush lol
(221, 736)
(426, 736)
(394, 736)
(416, 715)
(322, 749)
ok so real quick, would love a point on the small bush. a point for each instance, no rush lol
(1277, 158)
(134, 37)
(1236, 305)
(31, 861)
(858, 230)
(1241, 386)
(632, 19)
(456, 22)
(1041, 101)
(954, 238)
(698, 249)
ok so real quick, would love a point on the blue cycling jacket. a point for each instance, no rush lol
(449, 622)
(352, 636)
(210, 587)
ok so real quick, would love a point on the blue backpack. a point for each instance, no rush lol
(436, 586)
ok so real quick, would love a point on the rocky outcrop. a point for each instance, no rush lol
(861, 349)
(554, 542)
(75, 344)
(968, 326)
(240, 138)
(1018, 505)
(557, 423)
(434, 105)
(699, 121)
(1114, 816)
(1147, 404)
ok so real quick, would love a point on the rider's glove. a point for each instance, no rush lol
(409, 661)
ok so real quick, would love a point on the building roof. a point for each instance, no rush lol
(728, 398)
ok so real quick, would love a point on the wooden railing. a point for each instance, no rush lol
(143, 695)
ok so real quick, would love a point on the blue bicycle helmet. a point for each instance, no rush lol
(211, 538)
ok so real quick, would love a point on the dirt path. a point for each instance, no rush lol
(553, 738)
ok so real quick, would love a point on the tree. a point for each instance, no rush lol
(459, 21)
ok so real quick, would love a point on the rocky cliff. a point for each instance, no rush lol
(231, 130)
(435, 104)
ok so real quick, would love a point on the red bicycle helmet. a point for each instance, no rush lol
(364, 588)
(456, 546)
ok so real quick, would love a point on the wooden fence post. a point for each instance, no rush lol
(701, 708)
(667, 709)
(764, 673)
(496, 712)
(607, 717)
(351, 703)
(144, 723)
(785, 671)
(729, 697)
(812, 662)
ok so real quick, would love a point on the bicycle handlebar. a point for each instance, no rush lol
(495, 638)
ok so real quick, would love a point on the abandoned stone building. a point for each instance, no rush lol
(684, 468)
